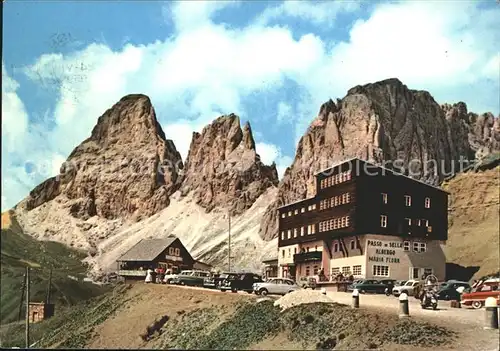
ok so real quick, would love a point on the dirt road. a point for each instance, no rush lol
(391, 304)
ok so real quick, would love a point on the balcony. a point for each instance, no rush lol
(312, 256)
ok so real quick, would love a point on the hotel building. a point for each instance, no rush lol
(366, 221)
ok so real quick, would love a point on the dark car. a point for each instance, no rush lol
(388, 283)
(210, 281)
(448, 290)
(367, 285)
(221, 278)
(242, 281)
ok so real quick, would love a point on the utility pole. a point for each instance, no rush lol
(49, 287)
(229, 243)
(21, 303)
(27, 307)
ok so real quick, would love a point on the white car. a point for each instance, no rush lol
(277, 286)
(408, 288)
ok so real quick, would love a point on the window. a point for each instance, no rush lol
(336, 247)
(348, 197)
(348, 175)
(356, 270)
(302, 210)
(308, 271)
(354, 244)
(347, 221)
(407, 200)
(418, 222)
(380, 271)
(419, 247)
(335, 271)
(321, 205)
(426, 222)
(383, 221)
(177, 252)
(313, 228)
(406, 245)
(171, 251)
(289, 234)
(283, 215)
(283, 253)
(295, 231)
(314, 206)
(289, 252)
(343, 222)
(289, 213)
(296, 212)
(415, 273)
(321, 227)
(322, 184)
(302, 231)
(294, 250)
(343, 199)
(384, 198)
(346, 270)
(427, 202)
(408, 221)
(315, 270)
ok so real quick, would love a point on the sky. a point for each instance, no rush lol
(272, 63)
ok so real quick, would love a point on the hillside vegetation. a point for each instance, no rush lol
(161, 317)
(473, 218)
(19, 250)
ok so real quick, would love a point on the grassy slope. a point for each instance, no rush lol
(241, 324)
(473, 220)
(19, 250)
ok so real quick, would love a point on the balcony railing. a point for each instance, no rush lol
(312, 256)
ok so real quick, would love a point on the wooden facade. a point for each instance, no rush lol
(168, 253)
(351, 200)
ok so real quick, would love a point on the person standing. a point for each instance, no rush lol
(149, 276)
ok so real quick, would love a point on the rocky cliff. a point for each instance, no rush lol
(381, 122)
(125, 169)
(223, 169)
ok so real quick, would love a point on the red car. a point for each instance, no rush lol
(476, 298)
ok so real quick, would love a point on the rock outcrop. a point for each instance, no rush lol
(223, 169)
(381, 122)
(125, 169)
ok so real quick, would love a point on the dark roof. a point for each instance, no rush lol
(147, 249)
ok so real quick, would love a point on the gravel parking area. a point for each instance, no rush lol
(391, 303)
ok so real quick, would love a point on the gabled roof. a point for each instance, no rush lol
(147, 249)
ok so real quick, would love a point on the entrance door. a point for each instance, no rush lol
(414, 273)
(293, 272)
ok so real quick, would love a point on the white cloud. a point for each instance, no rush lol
(317, 12)
(270, 153)
(205, 70)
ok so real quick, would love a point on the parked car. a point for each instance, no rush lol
(388, 283)
(191, 278)
(277, 286)
(221, 279)
(209, 282)
(476, 298)
(170, 276)
(410, 287)
(307, 282)
(241, 282)
(448, 290)
(400, 282)
(368, 285)
(350, 287)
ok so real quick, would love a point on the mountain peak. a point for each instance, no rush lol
(223, 168)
